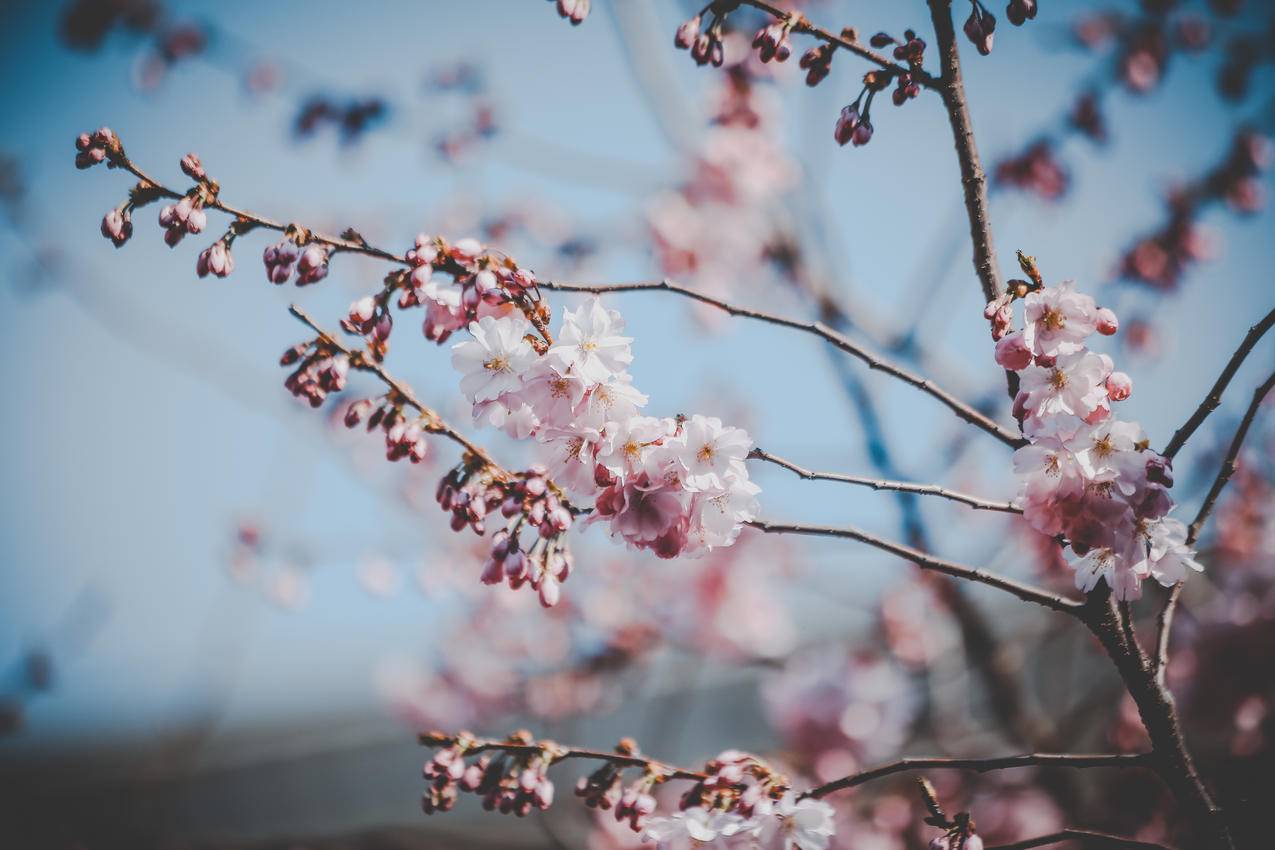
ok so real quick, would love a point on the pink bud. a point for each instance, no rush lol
(686, 34)
(1013, 352)
(1107, 322)
(550, 591)
(1119, 386)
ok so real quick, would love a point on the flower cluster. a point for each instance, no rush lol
(741, 799)
(1085, 475)
(674, 486)
(706, 45)
(92, 148)
(319, 371)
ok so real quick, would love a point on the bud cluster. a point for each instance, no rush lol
(513, 781)
(706, 45)
(320, 371)
(604, 789)
(403, 438)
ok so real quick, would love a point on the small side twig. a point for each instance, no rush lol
(1023, 591)
(1214, 397)
(885, 484)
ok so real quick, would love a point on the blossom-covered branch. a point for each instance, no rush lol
(819, 329)
(734, 794)
(1214, 397)
(926, 561)
(883, 484)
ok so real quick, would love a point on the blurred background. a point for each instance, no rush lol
(225, 617)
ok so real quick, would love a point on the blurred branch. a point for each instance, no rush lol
(1091, 838)
(819, 329)
(925, 561)
(883, 484)
(1214, 398)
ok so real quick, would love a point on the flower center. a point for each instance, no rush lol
(1102, 447)
(497, 364)
(1057, 379)
(588, 345)
(1053, 319)
(705, 453)
(558, 387)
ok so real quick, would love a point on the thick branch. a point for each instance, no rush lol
(982, 765)
(1087, 837)
(1159, 716)
(925, 561)
(1214, 398)
(884, 484)
(819, 329)
(952, 88)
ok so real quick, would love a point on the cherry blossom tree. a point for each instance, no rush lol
(1095, 498)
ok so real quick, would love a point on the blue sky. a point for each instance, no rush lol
(146, 414)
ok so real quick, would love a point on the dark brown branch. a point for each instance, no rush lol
(952, 89)
(885, 484)
(1159, 716)
(363, 363)
(1214, 398)
(1088, 837)
(803, 25)
(925, 561)
(819, 329)
(981, 765)
(1164, 628)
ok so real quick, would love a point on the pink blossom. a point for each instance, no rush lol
(590, 342)
(1059, 319)
(1073, 385)
(493, 361)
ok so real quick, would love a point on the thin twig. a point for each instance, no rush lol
(1214, 398)
(334, 242)
(884, 484)
(1232, 456)
(1164, 627)
(360, 361)
(1165, 619)
(1091, 839)
(819, 329)
(982, 765)
(925, 561)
